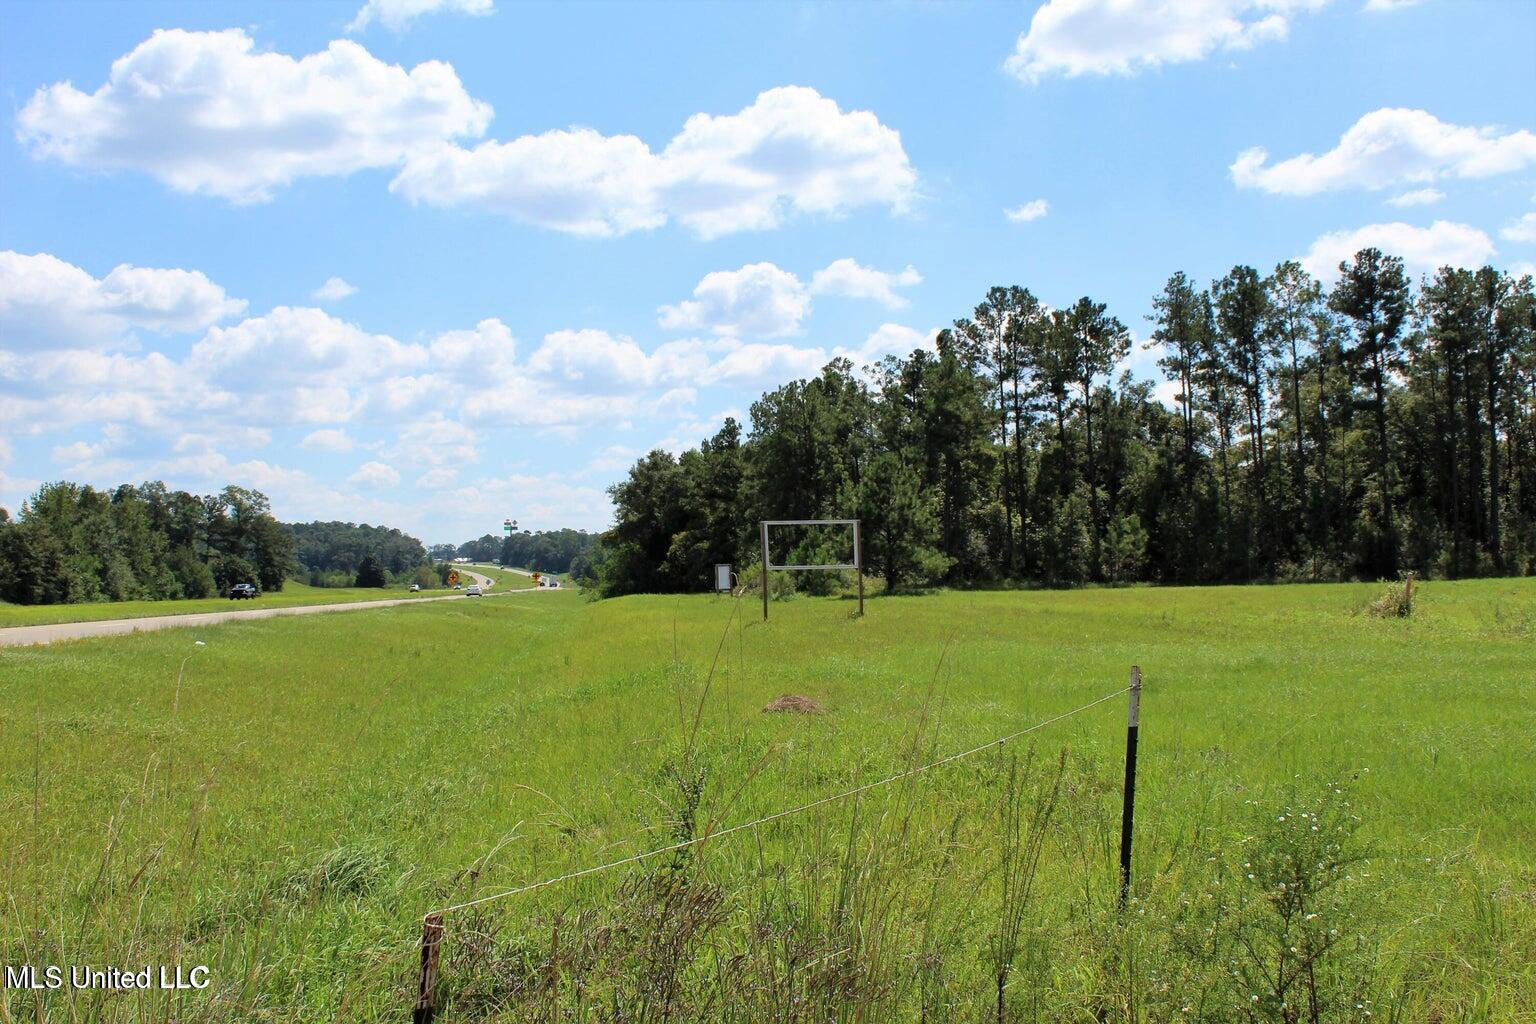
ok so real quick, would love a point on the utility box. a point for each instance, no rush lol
(723, 578)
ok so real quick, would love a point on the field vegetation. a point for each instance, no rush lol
(1335, 817)
(1317, 430)
(291, 596)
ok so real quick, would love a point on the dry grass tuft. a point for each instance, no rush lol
(1397, 602)
(794, 705)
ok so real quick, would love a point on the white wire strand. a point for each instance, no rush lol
(594, 869)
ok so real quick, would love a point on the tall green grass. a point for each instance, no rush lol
(292, 595)
(317, 784)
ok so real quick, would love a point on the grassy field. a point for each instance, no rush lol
(292, 595)
(505, 579)
(1335, 812)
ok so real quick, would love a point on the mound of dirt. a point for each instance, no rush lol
(794, 705)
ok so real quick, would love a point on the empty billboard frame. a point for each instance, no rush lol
(858, 554)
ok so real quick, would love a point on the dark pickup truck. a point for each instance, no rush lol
(240, 590)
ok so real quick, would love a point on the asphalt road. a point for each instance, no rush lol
(19, 636)
(525, 572)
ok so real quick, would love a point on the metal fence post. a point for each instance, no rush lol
(858, 559)
(1128, 811)
(765, 569)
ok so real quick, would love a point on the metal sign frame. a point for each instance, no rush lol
(857, 563)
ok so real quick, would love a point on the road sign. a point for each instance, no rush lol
(453, 577)
(535, 577)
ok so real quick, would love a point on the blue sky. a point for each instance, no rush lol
(560, 235)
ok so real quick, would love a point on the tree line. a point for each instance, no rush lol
(1314, 433)
(72, 543)
(543, 550)
(335, 553)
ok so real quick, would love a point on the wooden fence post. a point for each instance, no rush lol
(1128, 809)
(431, 947)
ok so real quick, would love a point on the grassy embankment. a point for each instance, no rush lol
(287, 809)
(502, 578)
(506, 579)
(292, 595)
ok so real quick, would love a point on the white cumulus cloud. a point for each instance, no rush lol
(206, 112)
(303, 344)
(438, 477)
(758, 299)
(593, 360)
(1026, 212)
(299, 364)
(327, 440)
(436, 440)
(849, 278)
(1122, 37)
(46, 303)
(1522, 230)
(375, 474)
(1424, 250)
(1389, 147)
(792, 151)
(396, 15)
(764, 364)
(334, 290)
(1417, 197)
(764, 301)
(544, 498)
(758, 364)
(895, 340)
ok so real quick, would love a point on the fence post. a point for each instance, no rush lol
(858, 559)
(1128, 811)
(765, 570)
(431, 946)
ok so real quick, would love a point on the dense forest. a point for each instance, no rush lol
(330, 554)
(544, 551)
(1313, 434)
(72, 543)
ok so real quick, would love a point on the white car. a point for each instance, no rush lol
(473, 591)
(415, 588)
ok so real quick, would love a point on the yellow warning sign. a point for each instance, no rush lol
(453, 577)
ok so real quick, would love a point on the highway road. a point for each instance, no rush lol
(555, 580)
(21, 636)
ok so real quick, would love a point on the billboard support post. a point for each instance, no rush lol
(858, 554)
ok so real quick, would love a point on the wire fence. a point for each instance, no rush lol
(775, 816)
(432, 922)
